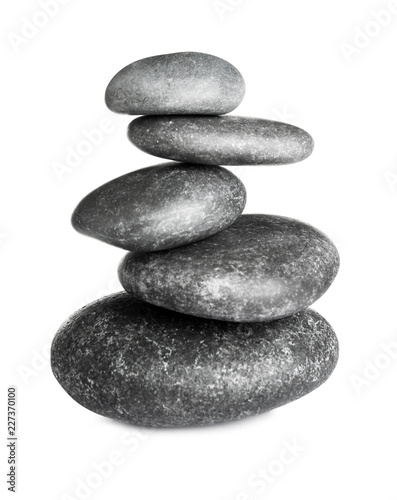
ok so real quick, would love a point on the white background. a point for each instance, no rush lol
(292, 57)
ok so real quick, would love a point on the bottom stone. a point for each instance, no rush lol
(149, 366)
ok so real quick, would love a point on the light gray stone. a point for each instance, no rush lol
(160, 207)
(180, 83)
(220, 140)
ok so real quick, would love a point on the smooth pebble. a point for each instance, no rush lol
(141, 364)
(260, 268)
(179, 83)
(220, 140)
(161, 207)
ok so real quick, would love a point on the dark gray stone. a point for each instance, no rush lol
(161, 207)
(220, 140)
(145, 365)
(180, 83)
(261, 268)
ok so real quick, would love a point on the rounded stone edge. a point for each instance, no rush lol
(133, 133)
(240, 82)
(333, 350)
(127, 262)
(234, 182)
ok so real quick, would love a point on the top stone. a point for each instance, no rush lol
(179, 83)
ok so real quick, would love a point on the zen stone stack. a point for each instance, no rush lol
(214, 325)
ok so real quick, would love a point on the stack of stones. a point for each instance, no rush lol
(214, 325)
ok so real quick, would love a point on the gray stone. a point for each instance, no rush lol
(161, 207)
(141, 364)
(220, 140)
(180, 83)
(261, 268)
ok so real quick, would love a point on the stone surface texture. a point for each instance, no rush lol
(220, 140)
(161, 207)
(132, 361)
(180, 83)
(261, 268)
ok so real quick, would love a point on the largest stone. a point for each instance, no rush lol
(183, 82)
(145, 365)
(260, 268)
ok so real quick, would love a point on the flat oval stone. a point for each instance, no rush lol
(261, 268)
(141, 364)
(220, 140)
(180, 83)
(161, 207)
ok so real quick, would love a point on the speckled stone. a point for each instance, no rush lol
(220, 140)
(180, 83)
(141, 364)
(261, 268)
(161, 207)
